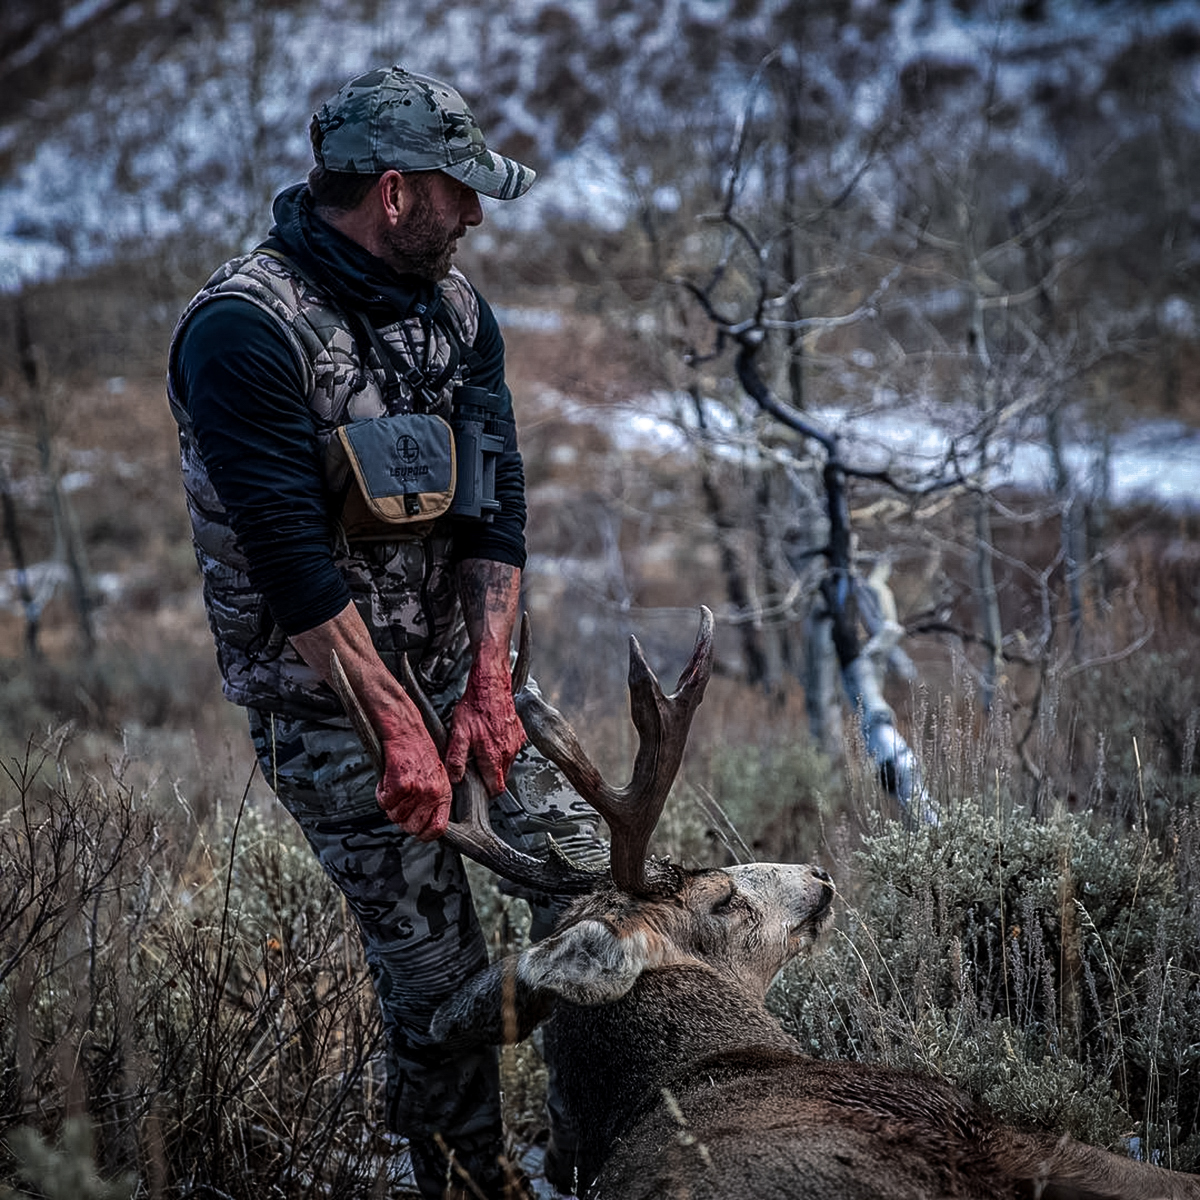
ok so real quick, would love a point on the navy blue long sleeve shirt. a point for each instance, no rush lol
(238, 376)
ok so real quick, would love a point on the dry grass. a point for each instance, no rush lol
(174, 967)
(194, 988)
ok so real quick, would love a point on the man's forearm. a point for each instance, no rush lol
(491, 594)
(414, 790)
(486, 726)
(380, 692)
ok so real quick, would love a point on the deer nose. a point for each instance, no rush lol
(823, 875)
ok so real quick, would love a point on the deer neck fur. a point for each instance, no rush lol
(615, 1060)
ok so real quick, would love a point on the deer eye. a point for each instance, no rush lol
(726, 902)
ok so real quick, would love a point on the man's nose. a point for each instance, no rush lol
(472, 210)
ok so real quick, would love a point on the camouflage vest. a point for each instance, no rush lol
(405, 588)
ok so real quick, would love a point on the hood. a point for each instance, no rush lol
(339, 265)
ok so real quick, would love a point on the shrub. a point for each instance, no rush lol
(200, 994)
(66, 1171)
(1051, 967)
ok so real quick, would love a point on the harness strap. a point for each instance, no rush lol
(398, 373)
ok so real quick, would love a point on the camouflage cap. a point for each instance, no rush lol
(392, 120)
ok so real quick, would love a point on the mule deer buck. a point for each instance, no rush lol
(676, 1079)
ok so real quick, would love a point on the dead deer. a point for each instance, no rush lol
(676, 1079)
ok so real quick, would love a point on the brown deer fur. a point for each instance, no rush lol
(680, 1084)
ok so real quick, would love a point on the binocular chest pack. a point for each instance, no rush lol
(408, 469)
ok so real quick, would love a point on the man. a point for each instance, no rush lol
(350, 323)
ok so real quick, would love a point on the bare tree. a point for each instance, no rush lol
(988, 334)
(69, 548)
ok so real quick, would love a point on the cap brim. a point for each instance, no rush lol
(493, 175)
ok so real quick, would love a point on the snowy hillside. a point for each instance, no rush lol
(126, 122)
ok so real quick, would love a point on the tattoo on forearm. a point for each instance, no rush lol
(487, 589)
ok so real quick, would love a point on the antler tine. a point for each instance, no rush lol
(520, 674)
(354, 710)
(429, 714)
(662, 724)
(472, 834)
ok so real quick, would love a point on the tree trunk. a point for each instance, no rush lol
(68, 542)
(989, 603)
(12, 535)
(737, 584)
(1071, 531)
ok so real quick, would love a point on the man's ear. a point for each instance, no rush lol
(588, 963)
(394, 195)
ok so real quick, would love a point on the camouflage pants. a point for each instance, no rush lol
(414, 908)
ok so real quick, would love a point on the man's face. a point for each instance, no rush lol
(440, 211)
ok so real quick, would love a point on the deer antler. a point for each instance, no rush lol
(662, 723)
(472, 834)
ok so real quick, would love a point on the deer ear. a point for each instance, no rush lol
(493, 1008)
(587, 963)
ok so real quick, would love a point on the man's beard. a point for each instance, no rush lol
(420, 245)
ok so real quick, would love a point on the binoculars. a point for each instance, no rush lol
(480, 427)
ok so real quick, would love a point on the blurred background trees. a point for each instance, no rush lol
(964, 231)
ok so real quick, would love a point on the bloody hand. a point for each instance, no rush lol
(414, 789)
(486, 727)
